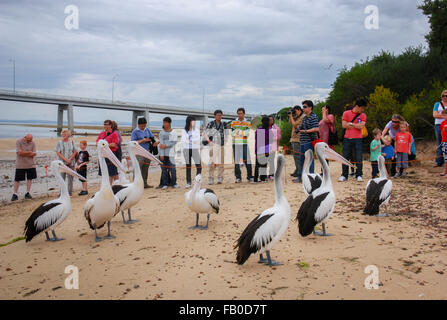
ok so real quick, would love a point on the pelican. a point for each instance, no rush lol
(320, 204)
(266, 229)
(52, 213)
(129, 194)
(311, 181)
(378, 191)
(201, 201)
(103, 205)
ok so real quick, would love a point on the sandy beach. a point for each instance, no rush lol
(160, 258)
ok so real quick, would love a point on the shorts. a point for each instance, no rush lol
(83, 172)
(29, 173)
(444, 150)
(113, 171)
(402, 160)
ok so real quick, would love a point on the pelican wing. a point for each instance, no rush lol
(311, 182)
(312, 211)
(212, 199)
(252, 238)
(377, 192)
(87, 208)
(42, 218)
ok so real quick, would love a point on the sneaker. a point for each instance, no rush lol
(210, 181)
(176, 186)
(359, 179)
(251, 180)
(164, 188)
(397, 175)
(83, 193)
(188, 186)
(28, 196)
(219, 181)
(14, 197)
(404, 174)
(238, 181)
(159, 187)
(342, 179)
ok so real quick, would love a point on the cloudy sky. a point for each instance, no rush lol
(259, 54)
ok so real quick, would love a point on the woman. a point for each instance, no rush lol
(119, 151)
(439, 118)
(326, 124)
(263, 141)
(191, 148)
(274, 145)
(113, 139)
(67, 152)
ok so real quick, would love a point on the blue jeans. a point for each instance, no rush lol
(241, 151)
(352, 149)
(303, 148)
(168, 173)
(439, 157)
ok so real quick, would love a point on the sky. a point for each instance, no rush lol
(262, 55)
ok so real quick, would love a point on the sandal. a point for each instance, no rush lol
(443, 174)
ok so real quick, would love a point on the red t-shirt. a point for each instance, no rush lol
(403, 141)
(353, 133)
(112, 137)
(443, 132)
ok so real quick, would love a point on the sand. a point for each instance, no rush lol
(160, 258)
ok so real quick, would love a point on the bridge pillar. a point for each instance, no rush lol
(136, 115)
(70, 118)
(205, 121)
(60, 118)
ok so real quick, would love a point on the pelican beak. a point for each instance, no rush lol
(106, 152)
(64, 168)
(139, 150)
(332, 155)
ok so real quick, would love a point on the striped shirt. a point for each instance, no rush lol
(240, 131)
(309, 122)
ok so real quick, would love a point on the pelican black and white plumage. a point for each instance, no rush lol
(261, 234)
(129, 194)
(320, 204)
(311, 181)
(378, 191)
(103, 206)
(52, 213)
(201, 201)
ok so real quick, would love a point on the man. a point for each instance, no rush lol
(66, 152)
(240, 130)
(308, 130)
(145, 138)
(353, 121)
(168, 140)
(25, 166)
(216, 138)
(295, 119)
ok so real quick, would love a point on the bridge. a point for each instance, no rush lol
(66, 103)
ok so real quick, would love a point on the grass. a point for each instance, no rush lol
(303, 265)
(12, 241)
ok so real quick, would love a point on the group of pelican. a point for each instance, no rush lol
(260, 235)
(102, 207)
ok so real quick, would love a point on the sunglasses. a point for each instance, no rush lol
(305, 107)
(444, 95)
(396, 121)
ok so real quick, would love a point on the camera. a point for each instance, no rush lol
(292, 112)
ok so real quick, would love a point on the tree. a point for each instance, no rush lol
(436, 10)
(382, 104)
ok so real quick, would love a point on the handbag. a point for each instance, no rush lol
(364, 132)
(333, 137)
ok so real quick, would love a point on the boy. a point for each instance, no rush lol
(403, 149)
(376, 149)
(444, 143)
(168, 139)
(388, 152)
(81, 165)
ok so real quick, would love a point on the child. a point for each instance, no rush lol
(262, 143)
(388, 152)
(403, 149)
(444, 143)
(168, 139)
(81, 165)
(376, 149)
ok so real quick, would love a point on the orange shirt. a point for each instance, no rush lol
(403, 141)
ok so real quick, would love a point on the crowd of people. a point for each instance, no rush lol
(395, 143)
